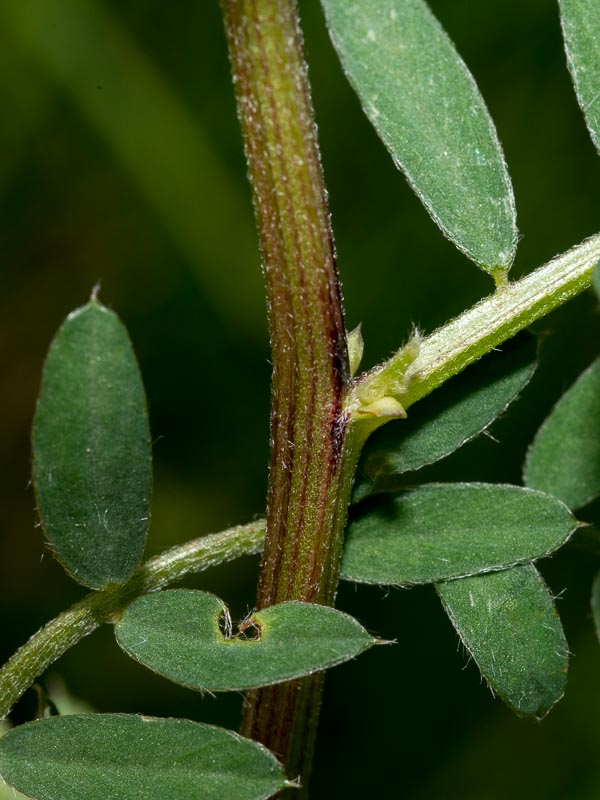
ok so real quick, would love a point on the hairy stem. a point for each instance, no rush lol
(96, 608)
(311, 463)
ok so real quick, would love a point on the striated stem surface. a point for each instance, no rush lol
(309, 476)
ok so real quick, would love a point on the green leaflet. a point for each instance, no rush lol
(177, 634)
(441, 531)
(564, 458)
(508, 623)
(91, 449)
(445, 420)
(122, 757)
(425, 106)
(581, 30)
(596, 603)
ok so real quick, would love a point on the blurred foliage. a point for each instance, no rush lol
(121, 161)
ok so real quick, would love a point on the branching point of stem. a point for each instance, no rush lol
(410, 376)
(97, 608)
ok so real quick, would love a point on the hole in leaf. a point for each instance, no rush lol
(249, 629)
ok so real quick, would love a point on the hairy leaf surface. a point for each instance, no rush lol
(509, 625)
(448, 418)
(564, 458)
(581, 30)
(441, 531)
(91, 449)
(122, 757)
(187, 637)
(425, 106)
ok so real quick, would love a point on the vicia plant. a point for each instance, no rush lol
(344, 497)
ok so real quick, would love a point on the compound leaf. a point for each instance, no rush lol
(581, 30)
(564, 458)
(441, 531)
(91, 449)
(122, 757)
(508, 623)
(424, 104)
(178, 634)
(448, 418)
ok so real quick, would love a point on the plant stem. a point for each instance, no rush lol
(96, 608)
(311, 464)
(310, 362)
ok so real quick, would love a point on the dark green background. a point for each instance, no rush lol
(407, 721)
